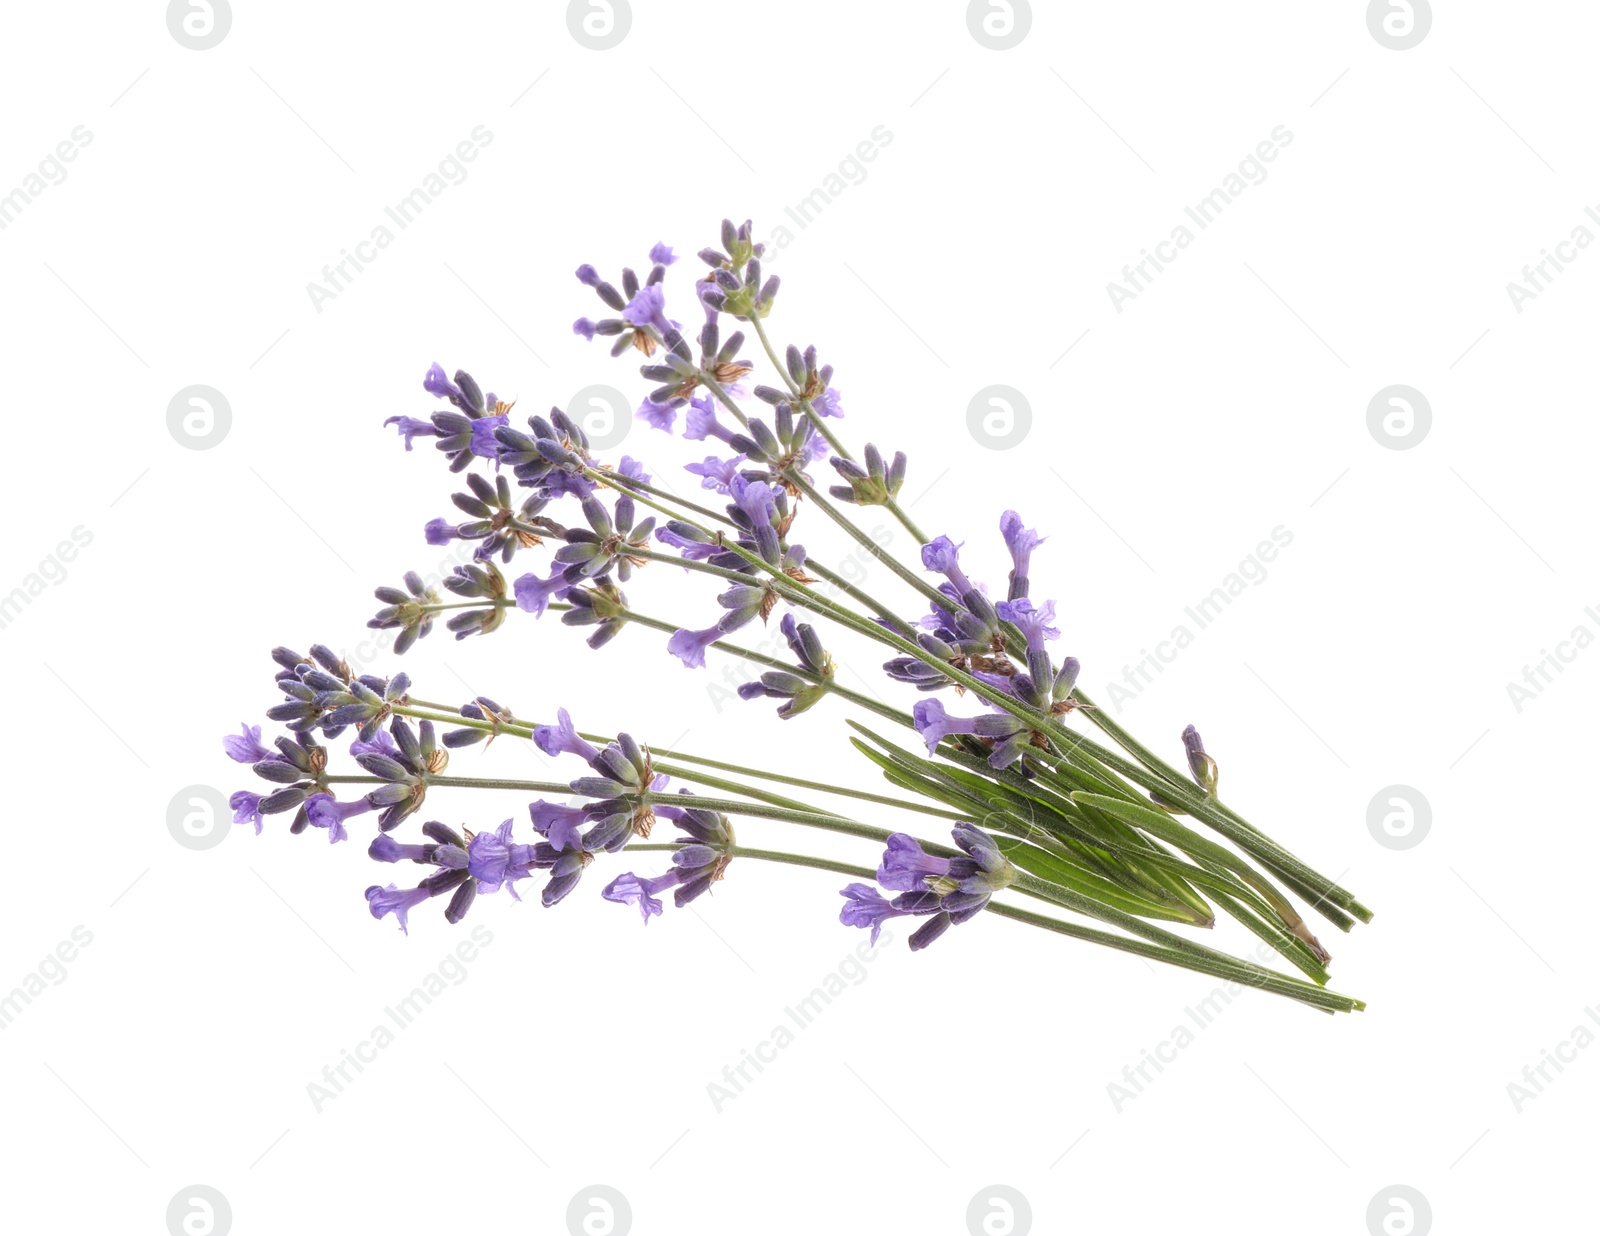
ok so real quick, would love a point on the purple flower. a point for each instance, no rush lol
(562, 738)
(246, 808)
(942, 555)
(662, 416)
(690, 646)
(1201, 766)
(381, 743)
(1033, 621)
(716, 473)
(560, 826)
(397, 901)
(559, 482)
(484, 443)
(533, 594)
(632, 469)
(584, 327)
(695, 551)
(411, 427)
(645, 309)
(1010, 735)
(662, 254)
(905, 866)
(440, 532)
(588, 276)
(1021, 542)
(700, 422)
(827, 404)
(385, 849)
(495, 860)
(245, 747)
(325, 812)
(758, 502)
(935, 724)
(629, 889)
(437, 384)
(756, 499)
(865, 906)
(948, 891)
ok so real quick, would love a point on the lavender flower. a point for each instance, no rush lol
(1021, 542)
(905, 866)
(702, 859)
(630, 889)
(485, 864)
(246, 808)
(411, 427)
(562, 738)
(560, 825)
(533, 594)
(646, 309)
(714, 473)
(611, 541)
(397, 901)
(662, 416)
(410, 611)
(324, 811)
(700, 422)
(245, 747)
(873, 485)
(865, 906)
(797, 693)
(690, 646)
(1008, 736)
(1201, 766)
(943, 555)
(945, 890)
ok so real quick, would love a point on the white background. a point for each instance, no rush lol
(1228, 399)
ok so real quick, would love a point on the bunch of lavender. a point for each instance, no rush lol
(1002, 752)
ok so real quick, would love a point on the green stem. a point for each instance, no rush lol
(1216, 966)
(783, 372)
